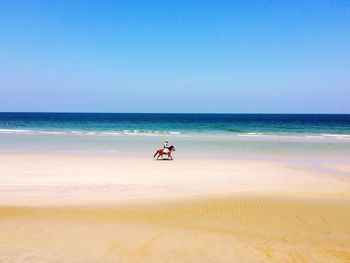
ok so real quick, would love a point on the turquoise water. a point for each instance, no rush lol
(201, 135)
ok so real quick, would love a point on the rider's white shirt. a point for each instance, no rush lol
(166, 147)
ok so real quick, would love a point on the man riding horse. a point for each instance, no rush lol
(165, 151)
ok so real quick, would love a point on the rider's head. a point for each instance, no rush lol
(166, 141)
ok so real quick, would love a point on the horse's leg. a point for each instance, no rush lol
(154, 156)
(160, 153)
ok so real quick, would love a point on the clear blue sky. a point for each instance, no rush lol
(175, 56)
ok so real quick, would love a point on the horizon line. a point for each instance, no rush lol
(223, 113)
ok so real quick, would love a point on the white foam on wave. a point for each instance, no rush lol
(157, 133)
(296, 136)
(313, 136)
(15, 131)
(52, 132)
(140, 134)
(150, 132)
(175, 133)
(110, 133)
(251, 134)
(77, 132)
(335, 135)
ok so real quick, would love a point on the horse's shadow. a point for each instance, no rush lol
(166, 159)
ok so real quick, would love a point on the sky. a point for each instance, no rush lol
(175, 56)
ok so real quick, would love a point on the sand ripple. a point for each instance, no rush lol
(230, 230)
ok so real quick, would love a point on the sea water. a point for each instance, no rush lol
(199, 135)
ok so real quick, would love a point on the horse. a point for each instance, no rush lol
(161, 152)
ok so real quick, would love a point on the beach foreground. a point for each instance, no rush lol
(105, 209)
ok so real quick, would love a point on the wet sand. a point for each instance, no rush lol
(104, 209)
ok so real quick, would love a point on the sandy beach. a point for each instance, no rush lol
(66, 208)
(251, 98)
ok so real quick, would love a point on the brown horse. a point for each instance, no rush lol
(161, 153)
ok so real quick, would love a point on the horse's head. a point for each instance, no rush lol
(172, 148)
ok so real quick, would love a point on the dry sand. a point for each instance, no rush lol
(104, 209)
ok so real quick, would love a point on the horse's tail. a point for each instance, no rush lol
(154, 156)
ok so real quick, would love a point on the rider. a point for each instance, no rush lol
(166, 146)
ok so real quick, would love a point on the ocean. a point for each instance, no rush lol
(140, 134)
(177, 124)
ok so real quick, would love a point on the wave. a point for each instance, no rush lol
(51, 132)
(77, 132)
(150, 132)
(297, 136)
(111, 133)
(91, 133)
(252, 134)
(336, 135)
(15, 131)
(140, 132)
